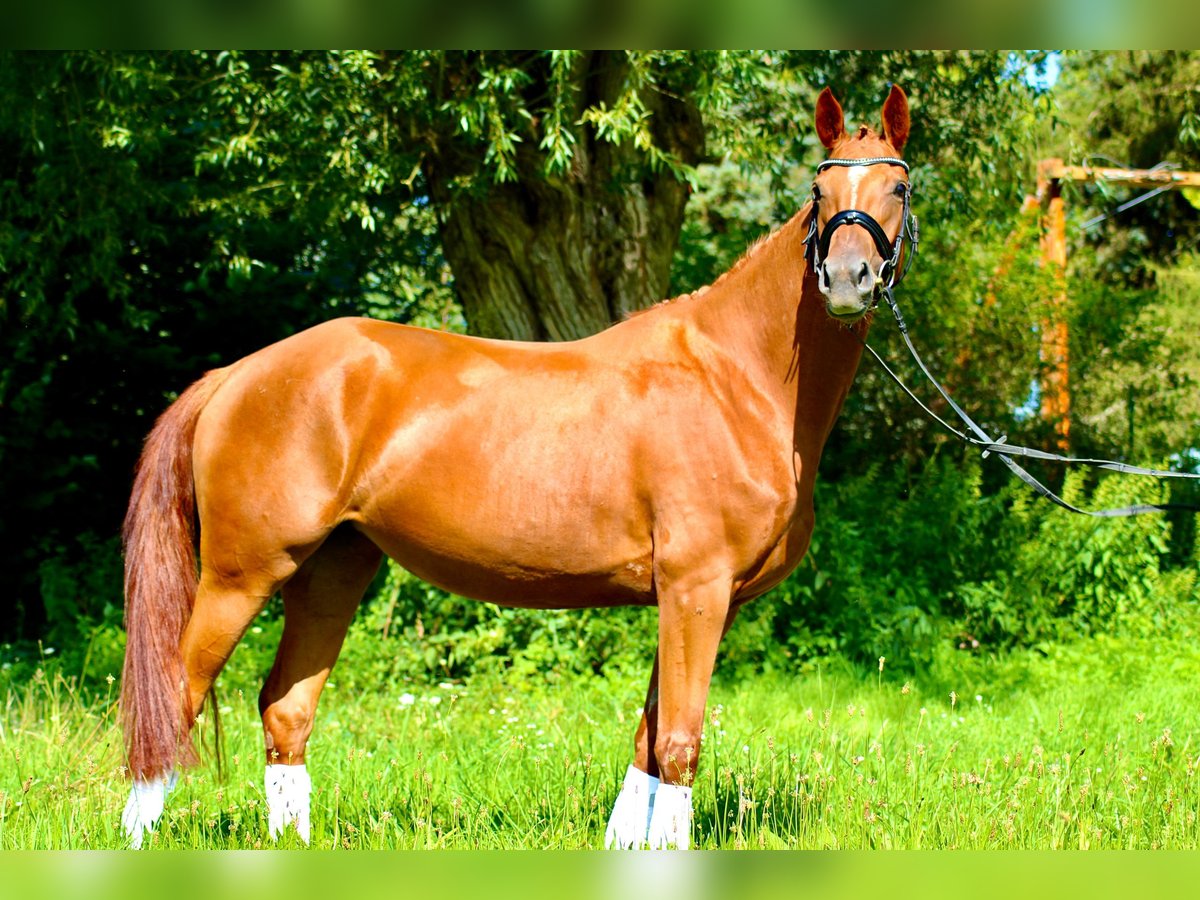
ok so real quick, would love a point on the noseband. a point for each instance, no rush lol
(890, 273)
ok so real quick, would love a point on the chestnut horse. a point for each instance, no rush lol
(666, 461)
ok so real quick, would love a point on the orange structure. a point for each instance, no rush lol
(1055, 347)
(1055, 385)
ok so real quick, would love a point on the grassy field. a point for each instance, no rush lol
(1094, 746)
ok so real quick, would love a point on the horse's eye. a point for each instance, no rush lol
(816, 192)
(901, 190)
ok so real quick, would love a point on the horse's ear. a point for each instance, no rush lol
(895, 118)
(831, 121)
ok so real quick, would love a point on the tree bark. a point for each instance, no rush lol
(561, 257)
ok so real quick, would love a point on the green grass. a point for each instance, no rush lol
(1095, 746)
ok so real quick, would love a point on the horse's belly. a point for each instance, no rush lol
(516, 572)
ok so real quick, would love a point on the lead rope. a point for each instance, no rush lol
(1006, 451)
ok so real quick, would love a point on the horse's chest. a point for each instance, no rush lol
(789, 540)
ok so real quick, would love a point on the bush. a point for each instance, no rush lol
(81, 596)
(885, 557)
(1084, 575)
(410, 630)
(902, 567)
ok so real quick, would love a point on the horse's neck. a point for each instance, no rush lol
(769, 314)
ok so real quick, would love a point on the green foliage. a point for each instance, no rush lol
(1140, 361)
(81, 587)
(150, 230)
(908, 569)
(730, 209)
(411, 630)
(1075, 575)
(886, 558)
(1132, 108)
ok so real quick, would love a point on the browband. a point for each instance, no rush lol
(869, 161)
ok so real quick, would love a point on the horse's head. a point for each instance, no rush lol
(860, 207)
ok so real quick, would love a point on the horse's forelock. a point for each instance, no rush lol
(852, 145)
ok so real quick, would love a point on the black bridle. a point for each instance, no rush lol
(890, 273)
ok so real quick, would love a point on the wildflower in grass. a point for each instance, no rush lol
(407, 699)
(906, 688)
(953, 698)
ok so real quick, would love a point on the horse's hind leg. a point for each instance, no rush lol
(318, 603)
(629, 824)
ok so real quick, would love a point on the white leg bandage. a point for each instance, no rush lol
(145, 805)
(288, 789)
(629, 823)
(671, 823)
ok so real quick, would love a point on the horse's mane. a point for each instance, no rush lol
(756, 247)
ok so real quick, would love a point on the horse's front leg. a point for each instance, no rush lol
(629, 824)
(693, 615)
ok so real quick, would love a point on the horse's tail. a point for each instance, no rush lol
(160, 589)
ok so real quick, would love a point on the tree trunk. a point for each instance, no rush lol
(564, 256)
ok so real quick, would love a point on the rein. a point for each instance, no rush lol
(818, 249)
(1006, 451)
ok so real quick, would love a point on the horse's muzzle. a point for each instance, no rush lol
(849, 288)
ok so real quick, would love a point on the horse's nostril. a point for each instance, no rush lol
(864, 273)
